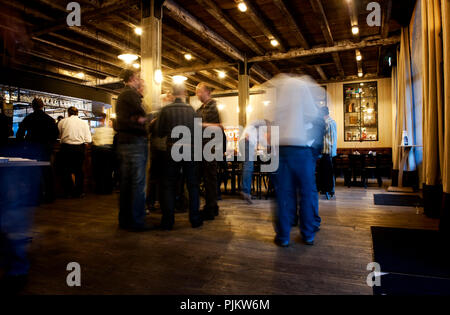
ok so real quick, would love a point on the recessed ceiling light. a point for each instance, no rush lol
(360, 74)
(138, 31)
(178, 79)
(221, 74)
(355, 30)
(80, 75)
(358, 57)
(187, 56)
(242, 7)
(128, 58)
(274, 43)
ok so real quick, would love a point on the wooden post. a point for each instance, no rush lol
(151, 51)
(244, 91)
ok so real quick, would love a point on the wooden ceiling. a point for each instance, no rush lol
(314, 38)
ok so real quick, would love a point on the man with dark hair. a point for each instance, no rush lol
(132, 152)
(103, 157)
(329, 151)
(173, 115)
(210, 117)
(40, 133)
(5, 125)
(74, 134)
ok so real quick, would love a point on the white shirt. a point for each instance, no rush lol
(103, 136)
(294, 110)
(73, 130)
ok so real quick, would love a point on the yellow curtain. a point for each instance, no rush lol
(445, 8)
(394, 98)
(404, 102)
(433, 100)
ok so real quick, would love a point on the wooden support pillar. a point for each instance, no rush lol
(151, 51)
(244, 91)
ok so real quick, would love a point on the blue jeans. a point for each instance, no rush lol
(132, 158)
(296, 172)
(246, 149)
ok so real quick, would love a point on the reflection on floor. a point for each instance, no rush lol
(234, 254)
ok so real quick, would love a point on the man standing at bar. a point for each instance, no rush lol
(326, 172)
(178, 114)
(210, 117)
(74, 134)
(131, 152)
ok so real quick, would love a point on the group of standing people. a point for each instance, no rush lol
(133, 126)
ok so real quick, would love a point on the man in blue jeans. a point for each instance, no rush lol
(295, 112)
(132, 153)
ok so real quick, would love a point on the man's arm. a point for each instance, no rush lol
(87, 133)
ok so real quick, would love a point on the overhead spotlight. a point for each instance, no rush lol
(187, 56)
(138, 31)
(360, 74)
(242, 6)
(128, 58)
(136, 65)
(358, 57)
(80, 75)
(158, 76)
(178, 79)
(220, 107)
(274, 43)
(221, 74)
(355, 30)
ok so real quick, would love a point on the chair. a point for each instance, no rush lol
(372, 170)
(357, 164)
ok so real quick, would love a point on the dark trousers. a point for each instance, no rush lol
(156, 171)
(132, 157)
(103, 161)
(209, 175)
(171, 175)
(296, 172)
(72, 159)
(326, 174)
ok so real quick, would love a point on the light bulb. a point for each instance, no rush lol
(128, 58)
(158, 76)
(221, 74)
(188, 56)
(178, 79)
(274, 43)
(138, 31)
(355, 30)
(242, 7)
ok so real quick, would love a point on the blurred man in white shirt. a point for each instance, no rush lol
(74, 134)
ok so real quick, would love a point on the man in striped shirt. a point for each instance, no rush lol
(326, 173)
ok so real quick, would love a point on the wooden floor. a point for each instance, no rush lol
(234, 254)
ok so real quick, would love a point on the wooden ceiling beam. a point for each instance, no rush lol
(214, 10)
(293, 25)
(321, 73)
(345, 45)
(326, 31)
(386, 17)
(263, 24)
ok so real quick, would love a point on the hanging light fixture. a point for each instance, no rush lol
(274, 43)
(221, 74)
(242, 6)
(136, 65)
(178, 79)
(360, 74)
(128, 58)
(355, 30)
(138, 31)
(187, 56)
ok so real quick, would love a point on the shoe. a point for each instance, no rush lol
(206, 216)
(308, 242)
(247, 198)
(281, 243)
(197, 224)
(328, 196)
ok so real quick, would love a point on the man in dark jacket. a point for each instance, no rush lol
(132, 152)
(178, 114)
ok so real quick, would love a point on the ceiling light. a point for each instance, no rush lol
(187, 56)
(355, 30)
(274, 43)
(80, 75)
(266, 103)
(136, 65)
(128, 58)
(360, 74)
(138, 31)
(113, 116)
(220, 107)
(178, 79)
(249, 109)
(158, 76)
(242, 7)
(358, 57)
(362, 84)
(221, 74)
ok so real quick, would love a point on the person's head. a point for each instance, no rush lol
(324, 111)
(132, 78)
(59, 118)
(167, 98)
(37, 104)
(179, 90)
(203, 92)
(102, 118)
(72, 111)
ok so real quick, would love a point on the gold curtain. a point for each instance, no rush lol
(445, 8)
(404, 102)
(394, 98)
(433, 100)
